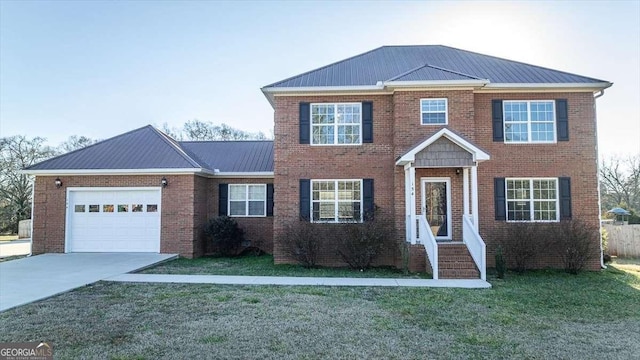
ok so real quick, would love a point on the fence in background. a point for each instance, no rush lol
(24, 229)
(624, 240)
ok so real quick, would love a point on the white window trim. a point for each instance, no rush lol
(531, 200)
(446, 112)
(335, 125)
(336, 201)
(530, 141)
(246, 201)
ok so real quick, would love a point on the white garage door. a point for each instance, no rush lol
(113, 220)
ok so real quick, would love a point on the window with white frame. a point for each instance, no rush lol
(529, 121)
(532, 199)
(247, 200)
(336, 124)
(336, 200)
(433, 111)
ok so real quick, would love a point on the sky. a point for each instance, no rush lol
(101, 68)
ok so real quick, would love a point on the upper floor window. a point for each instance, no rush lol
(532, 199)
(433, 111)
(336, 124)
(529, 121)
(336, 200)
(247, 200)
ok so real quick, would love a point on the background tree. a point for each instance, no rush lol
(197, 130)
(75, 142)
(620, 182)
(16, 153)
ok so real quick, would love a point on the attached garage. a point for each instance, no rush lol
(113, 219)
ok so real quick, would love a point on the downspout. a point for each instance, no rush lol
(33, 192)
(595, 117)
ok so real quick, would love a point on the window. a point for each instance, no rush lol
(123, 208)
(247, 200)
(94, 208)
(336, 124)
(79, 208)
(532, 199)
(107, 208)
(336, 200)
(433, 111)
(529, 121)
(136, 208)
(152, 208)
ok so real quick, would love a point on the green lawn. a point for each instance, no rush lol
(538, 315)
(263, 266)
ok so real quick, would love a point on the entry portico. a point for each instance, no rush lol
(427, 161)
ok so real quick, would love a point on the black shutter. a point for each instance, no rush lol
(223, 190)
(367, 122)
(562, 120)
(500, 198)
(565, 198)
(305, 199)
(269, 199)
(367, 198)
(496, 115)
(305, 123)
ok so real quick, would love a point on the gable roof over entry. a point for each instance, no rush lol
(477, 154)
(147, 150)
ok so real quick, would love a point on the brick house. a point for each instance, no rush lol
(452, 144)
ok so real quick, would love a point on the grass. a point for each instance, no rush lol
(537, 315)
(8, 237)
(9, 258)
(629, 264)
(263, 266)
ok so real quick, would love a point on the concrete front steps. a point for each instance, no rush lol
(455, 262)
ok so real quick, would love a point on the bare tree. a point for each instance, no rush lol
(75, 142)
(197, 130)
(620, 182)
(16, 153)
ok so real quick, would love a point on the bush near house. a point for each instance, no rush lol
(301, 241)
(575, 243)
(363, 242)
(522, 242)
(224, 235)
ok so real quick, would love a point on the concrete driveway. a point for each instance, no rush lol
(38, 277)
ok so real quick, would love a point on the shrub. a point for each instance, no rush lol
(522, 242)
(225, 235)
(363, 242)
(576, 244)
(501, 264)
(604, 235)
(301, 241)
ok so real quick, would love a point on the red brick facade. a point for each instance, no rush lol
(187, 203)
(397, 129)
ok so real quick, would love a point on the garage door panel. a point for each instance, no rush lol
(114, 220)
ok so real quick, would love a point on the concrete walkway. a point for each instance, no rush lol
(38, 277)
(15, 247)
(311, 281)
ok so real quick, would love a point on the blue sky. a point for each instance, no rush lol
(100, 68)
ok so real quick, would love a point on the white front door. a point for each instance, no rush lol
(113, 220)
(436, 205)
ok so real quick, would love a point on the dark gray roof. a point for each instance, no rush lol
(149, 148)
(144, 148)
(424, 63)
(232, 156)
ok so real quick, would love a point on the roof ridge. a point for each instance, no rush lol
(454, 72)
(323, 67)
(87, 147)
(176, 146)
(523, 63)
(407, 72)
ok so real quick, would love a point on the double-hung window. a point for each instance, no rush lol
(336, 200)
(529, 121)
(336, 124)
(247, 200)
(433, 111)
(532, 199)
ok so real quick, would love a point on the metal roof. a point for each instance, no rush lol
(148, 148)
(427, 63)
(232, 156)
(144, 148)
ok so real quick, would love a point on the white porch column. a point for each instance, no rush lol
(465, 191)
(412, 203)
(407, 204)
(474, 195)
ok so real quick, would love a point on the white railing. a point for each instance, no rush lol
(475, 244)
(426, 238)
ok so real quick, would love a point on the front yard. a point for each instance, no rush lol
(541, 315)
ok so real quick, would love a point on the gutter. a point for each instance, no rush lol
(595, 115)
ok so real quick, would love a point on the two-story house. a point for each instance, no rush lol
(453, 144)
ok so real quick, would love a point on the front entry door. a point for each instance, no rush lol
(436, 206)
